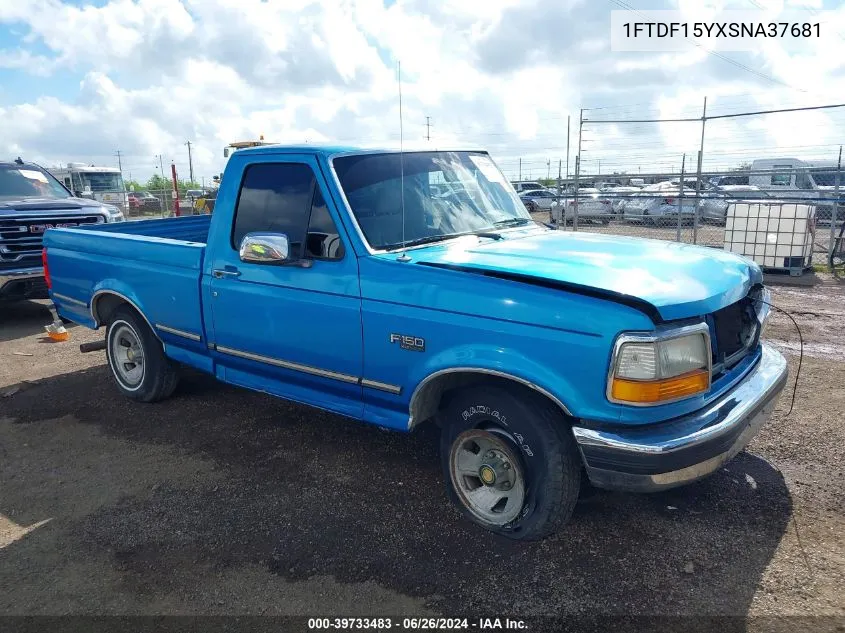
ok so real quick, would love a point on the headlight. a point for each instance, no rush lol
(114, 214)
(654, 369)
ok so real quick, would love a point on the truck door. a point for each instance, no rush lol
(294, 328)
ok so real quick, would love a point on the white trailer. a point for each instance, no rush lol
(103, 184)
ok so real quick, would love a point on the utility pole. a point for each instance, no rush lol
(190, 161)
(567, 146)
(119, 164)
(836, 185)
(428, 128)
(163, 193)
(698, 176)
(548, 168)
(578, 168)
(520, 169)
(559, 200)
(680, 198)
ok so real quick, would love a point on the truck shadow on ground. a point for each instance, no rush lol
(302, 493)
(25, 318)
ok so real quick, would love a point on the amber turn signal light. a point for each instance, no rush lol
(651, 391)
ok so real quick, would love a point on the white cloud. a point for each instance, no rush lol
(498, 73)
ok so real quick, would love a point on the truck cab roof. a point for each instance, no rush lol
(331, 150)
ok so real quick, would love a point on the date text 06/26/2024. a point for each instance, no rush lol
(417, 624)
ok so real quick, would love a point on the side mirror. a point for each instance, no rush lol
(265, 248)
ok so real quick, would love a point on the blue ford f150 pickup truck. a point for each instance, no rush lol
(31, 201)
(406, 287)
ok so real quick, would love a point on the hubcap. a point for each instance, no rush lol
(127, 355)
(487, 475)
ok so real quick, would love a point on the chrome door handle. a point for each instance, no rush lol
(222, 272)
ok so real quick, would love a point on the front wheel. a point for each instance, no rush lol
(509, 460)
(136, 357)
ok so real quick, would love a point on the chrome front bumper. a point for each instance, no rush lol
(668, 454)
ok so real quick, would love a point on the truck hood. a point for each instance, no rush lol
(36, 205)
(667, 279)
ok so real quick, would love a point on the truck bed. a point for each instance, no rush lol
(155, 264)
(192, 228)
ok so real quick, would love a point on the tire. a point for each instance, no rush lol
(128, 339)
(531, 207)
(525, 441)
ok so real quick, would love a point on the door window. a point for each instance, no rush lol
(275, 198)
(285, 198)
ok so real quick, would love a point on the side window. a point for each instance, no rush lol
(276, 198)
(323, 240)
(782, 175)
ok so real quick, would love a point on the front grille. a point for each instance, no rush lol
(734, 331)
(21, 237)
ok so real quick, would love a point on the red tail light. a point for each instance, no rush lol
(668, 201)
(46, 268)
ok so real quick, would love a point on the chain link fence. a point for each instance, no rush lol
(158, 203)
(708, 213)
(731, 193)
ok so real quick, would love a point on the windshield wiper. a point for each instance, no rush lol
(522, 222)
(513, 222)
(430, 239)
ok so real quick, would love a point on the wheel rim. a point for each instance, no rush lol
(488, 476)
(127, 355)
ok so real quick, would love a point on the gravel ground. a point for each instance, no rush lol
(225, 501)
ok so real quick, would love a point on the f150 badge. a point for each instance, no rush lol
(410, 343)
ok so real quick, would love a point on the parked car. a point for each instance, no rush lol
(31, 201)
(592, 205)
(526, 185)
(618, 196)
(659, 204)
(537, 199)
(713, 207)
(542, 355)
(143, 201)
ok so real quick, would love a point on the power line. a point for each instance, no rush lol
(718, 116)
(714, 53)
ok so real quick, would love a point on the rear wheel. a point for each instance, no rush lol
(136, 357)
(509, 460)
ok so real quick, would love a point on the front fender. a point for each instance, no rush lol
(486, 360)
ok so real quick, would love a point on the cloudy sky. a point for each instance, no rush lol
(82, 80)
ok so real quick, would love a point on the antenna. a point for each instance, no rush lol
(403, 257)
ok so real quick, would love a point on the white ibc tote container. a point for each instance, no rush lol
(778, 235)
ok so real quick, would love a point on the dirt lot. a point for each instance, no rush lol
(225, 501)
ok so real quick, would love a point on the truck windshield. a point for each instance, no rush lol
(102, 181)
(444, 194)
(28, 181)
